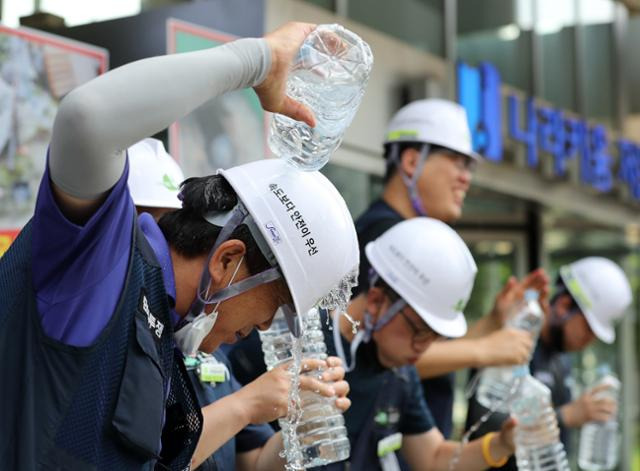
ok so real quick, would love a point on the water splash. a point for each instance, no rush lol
(337, 299)
(354, 323)
(339, 296)
(292, 451)
(494, 407)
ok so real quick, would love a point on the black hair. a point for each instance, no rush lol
(392, 165)
(192, 236)
(388, 290)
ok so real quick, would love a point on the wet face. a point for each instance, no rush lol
(403, 339)
(443, 183)
(238, 315)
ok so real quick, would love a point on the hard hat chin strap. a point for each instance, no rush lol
(365, 334)
(412, 182)
(229, 221)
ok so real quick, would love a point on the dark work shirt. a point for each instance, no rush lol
(367, 379)
(438, 391)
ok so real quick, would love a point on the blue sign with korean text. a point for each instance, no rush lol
(541, 128)
(479, 93)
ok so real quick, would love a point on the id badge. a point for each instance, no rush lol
(386, 452)
(212, 371)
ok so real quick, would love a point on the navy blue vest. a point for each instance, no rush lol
(123, 403)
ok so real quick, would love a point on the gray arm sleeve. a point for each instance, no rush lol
(99, 120)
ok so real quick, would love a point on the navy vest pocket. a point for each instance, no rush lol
(139, 413)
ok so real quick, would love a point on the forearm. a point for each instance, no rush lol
(482, 327)
(471, 457)
(99, 120)
(223, 419)
(266, 458)
(447, 356)
(569, 415)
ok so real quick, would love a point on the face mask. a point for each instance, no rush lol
(189, 337)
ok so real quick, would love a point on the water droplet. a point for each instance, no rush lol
(354, 323)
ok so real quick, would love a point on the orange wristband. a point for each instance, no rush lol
(486, 452)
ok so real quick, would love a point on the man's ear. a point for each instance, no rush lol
(224, 262)
(409, 161)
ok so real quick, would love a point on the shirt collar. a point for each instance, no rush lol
(160, 247)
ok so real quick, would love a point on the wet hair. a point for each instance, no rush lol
(192, 236)
(392, 166)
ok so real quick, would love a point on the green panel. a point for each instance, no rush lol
(356, 187)
(511, 57)
(417, 22)
(186, 42)
(485, 15)
(327, 4)
(558, 76)
(226, 131)
(632, 59)
(598, 72)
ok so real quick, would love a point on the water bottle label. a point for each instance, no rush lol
(389, 444)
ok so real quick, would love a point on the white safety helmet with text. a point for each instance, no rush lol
(308, 227)
(430, 267)
(303, 228)
(154, 176)
(601, 290)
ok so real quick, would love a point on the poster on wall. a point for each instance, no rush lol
(226, 131)
(36, 70)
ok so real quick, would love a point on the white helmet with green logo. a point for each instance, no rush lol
(601, 290)
(430, 267)
(154, 176)
(432, 121)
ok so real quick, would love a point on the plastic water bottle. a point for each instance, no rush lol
(321, 432)
(496, 383)
(329, 75)
(599, 440)
(537, 436)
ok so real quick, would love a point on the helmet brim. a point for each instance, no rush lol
(447, 145)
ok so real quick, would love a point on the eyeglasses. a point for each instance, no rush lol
(420, 334)
(462, 162)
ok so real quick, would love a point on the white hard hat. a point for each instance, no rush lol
(433, 121)
(430, 267)
(154, 176)
(601, 290)
(307, 225)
